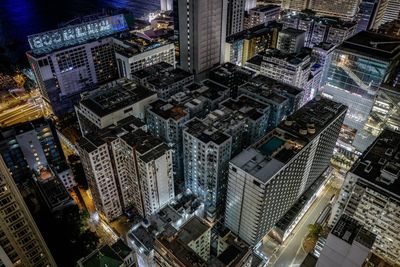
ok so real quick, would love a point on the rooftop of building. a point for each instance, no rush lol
(292, 31)
(380, 163)
(267, 156)
(163, 79)
(149, 71)
(349, 230)
(205, 132)
(177, 241)
(254, 32)
(277, 86)
(192, 230)
(114, 96)
(246, 107)
(129, 129)
(136, 43)
(324, 46)
(229, 69)
(331, 21)
(121, 248)
(104, 256)
(266, 8)
(168, 111)
(293, 58)
(372, 45)
(236, 251)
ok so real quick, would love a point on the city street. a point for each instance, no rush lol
(291, 253)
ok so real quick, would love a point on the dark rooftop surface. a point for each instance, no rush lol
(166, 78)
(135, 44)
(103, 257)
(387, 47)
(256, 31)
(292, 31)
(266, 8)
(121, 248)
(114, 96)
(380, 163)
(167, 110)
(204, 132)
(151, 70)
(247, 106)
(293, 58)
(192, 230)
(312, 118)
(349, 229)
(331, 21)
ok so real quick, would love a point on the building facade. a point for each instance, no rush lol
(266, 179)
(21, 243)
(370, 195)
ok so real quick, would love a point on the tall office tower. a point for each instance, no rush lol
(235, 16)
(262, 15)
(163, 79)
(358, 67)
(291, 40)
(319, 29)
(297, 5)
(166, 121)
(388, 10)
(202, 32)
(266, 179)
(70, 60)
(209, 144)
(127, 167)
(370, 194)
(366, 14)
(32, 147)
(134, 52)
(21, 242)
(343, 9)
(379, 14)
(250, 4)
(242, 46)
(111, 103)
(293, 69)
(322, 54)
(347, 245)
(166, 5)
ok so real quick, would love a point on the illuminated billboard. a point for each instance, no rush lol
(72, 35)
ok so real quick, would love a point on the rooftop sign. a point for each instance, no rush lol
(75, 34)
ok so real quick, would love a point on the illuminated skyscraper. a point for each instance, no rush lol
(21, 243)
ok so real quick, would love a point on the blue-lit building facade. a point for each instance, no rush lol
(358, 68)
(366, 14)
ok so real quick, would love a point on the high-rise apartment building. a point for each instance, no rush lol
(297, 5)
(127, 167)
(235, 16)
(244, 45)
(344, 9)
(322, 54)
(163, 79)
(166, 121)
(319, 29)
(293, 69)
(208, 145)
(291, 40)
(112, 102)
(387, 11)
(133, 53)
(21, 243)
(202, 32)
(32, 147)
(70, 60)
(266, 179)
(262, 15)
(358, 67)
(370, 194)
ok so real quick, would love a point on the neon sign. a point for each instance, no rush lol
(76, 34)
